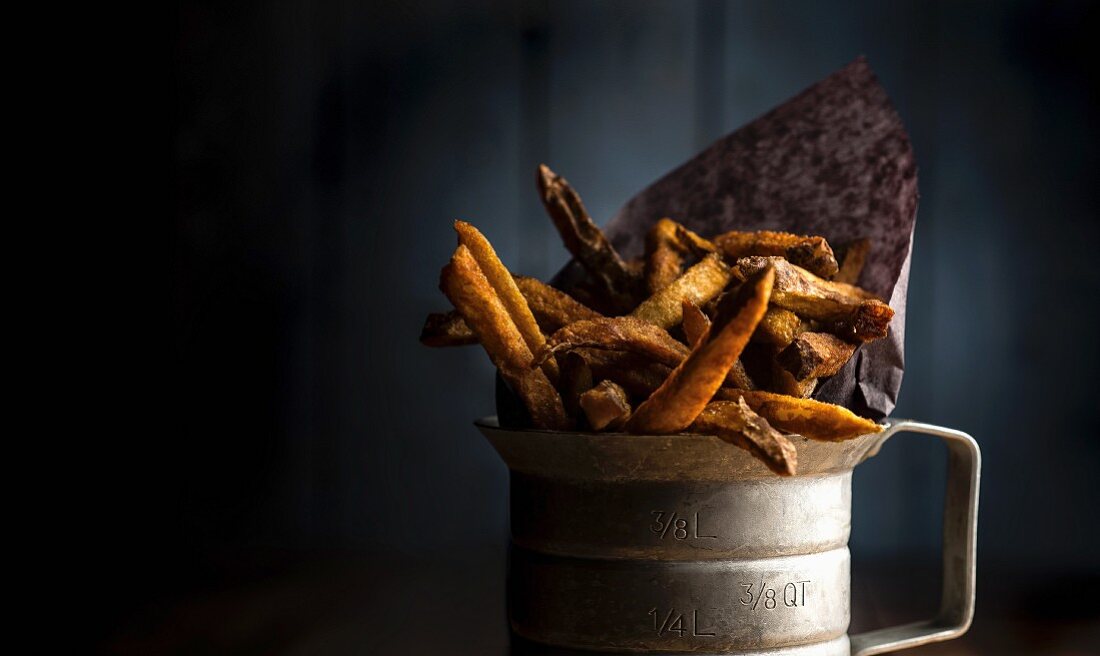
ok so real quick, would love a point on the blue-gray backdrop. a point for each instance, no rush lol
(322, 150)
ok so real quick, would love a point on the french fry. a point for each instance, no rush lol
(815, 355)
(696, 324)
(506, 290)
(735, 422)
(690, 241)
(855, 256)
(779, 327)
(850, 312)
(464, 284)
(666, 245)
(696, 327)
(698, 284)
(806, 417)
(605, 406)
(691, 385)
(617, 334)
(585, 241)
(664, 259)
(552, 307)
(811, 253)
(446, 329)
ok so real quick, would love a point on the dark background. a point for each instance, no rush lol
(320, 484)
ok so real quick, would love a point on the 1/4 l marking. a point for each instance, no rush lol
(673, 622)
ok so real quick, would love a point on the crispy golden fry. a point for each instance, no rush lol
(664, 259)
(855, 256)
(666, 245)
(446, 329)
(585, 241)
(848, 311)
(806, 417)
(691, 385)
(464, 284)
(605, 406)
(811, 253)
(814, 355)
(693, 242)
(552, 307)
(779, 327)
(696, 324)
(506, 290)
(696, 327)
(618, 334)
(699, 284)
(575, 379)
(735, 422)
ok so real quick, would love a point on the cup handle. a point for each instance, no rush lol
(960, 533)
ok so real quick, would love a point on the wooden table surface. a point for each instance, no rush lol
(350, 603)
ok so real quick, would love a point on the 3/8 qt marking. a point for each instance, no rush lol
(764, 596)
(668, 524)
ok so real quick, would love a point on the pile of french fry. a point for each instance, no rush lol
(724, 336)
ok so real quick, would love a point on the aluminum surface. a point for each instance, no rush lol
(687, 544)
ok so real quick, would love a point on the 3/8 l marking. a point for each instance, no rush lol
(666, 523)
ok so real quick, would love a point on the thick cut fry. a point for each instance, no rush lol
(666, 245)
(699, 284)
(692, 242)
(575, 379)
(506, 290)
(855, 256)
(446, 329)
(464, 284)
(811, 253)
(806, 417)
(585, 241)
(605, 406)
(696, 324)
(691, 385)
(617, 334)
(814, 355)
(735, 422)
(696, 328)
(848, 311)
(552, 307)
(779, 327)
